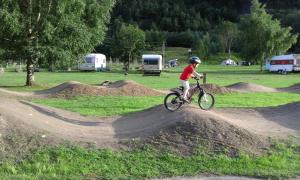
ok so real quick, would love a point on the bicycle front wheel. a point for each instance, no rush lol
(206, 101)
(172, 102)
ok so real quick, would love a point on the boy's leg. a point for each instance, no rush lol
(186, 86)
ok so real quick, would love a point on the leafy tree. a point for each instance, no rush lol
(203, 46)
(228, 33)
(129, 42)
(58, 31)
(154, 39)
(263, 36)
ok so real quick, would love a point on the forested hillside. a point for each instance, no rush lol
(178, 15)
(198, 16)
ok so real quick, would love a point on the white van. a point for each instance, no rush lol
(93, 62)
(285, 63)
(152, 63)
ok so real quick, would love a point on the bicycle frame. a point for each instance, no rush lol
(180, 89)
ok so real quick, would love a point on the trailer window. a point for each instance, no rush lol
(89, 60)
(282, 62)
(150, 61)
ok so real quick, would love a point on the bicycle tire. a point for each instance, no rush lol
(210, 101)
(176, 100)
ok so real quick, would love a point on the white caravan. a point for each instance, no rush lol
(152, 63)
(93, 62)
(285, 63)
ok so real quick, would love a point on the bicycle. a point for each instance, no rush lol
(174, 100)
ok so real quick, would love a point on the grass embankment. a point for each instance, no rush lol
(78, 163)
(120, 105)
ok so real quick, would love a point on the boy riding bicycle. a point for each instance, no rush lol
(187, 73)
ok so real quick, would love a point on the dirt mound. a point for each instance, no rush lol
(58, 88)
(280, 122)
(198, 129)
(211, 88)
(249, 87)
(215, 89)
(122, 83)
(119, 88)
(183, 131)
(18, 139)
(294, 88)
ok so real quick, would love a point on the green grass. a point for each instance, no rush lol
(120, 105)
(78, 163)
(219, 75)
(253, 100)
(103, 105)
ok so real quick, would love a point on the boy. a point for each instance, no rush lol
(187, 73)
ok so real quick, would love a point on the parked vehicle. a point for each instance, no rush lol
(152, 64)
(228, 62)
(245, 63)
(93, 62)
(285, 63)
(173, 62)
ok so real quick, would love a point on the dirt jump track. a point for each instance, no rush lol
(239, 128)
(250, 87)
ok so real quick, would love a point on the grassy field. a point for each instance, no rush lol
(219, 75)
(111, 106)
(103, 106)
(69, 162)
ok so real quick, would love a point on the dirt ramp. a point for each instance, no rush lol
(215, 89)
(190, 128)
(294, 88)
(249, 87)
(132, 88)
(58, 88)
(118, 88)
(279, 122)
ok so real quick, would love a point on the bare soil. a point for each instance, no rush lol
(119, 88)
(182, 131)
(250, 87)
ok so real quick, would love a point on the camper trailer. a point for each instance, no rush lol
(93, 62)
(152, 64)
(285, 63)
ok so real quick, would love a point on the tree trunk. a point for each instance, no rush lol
(229, 52)
(30, 73)
(261, 66)
(261, 62)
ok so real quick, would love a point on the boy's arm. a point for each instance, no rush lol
(195, 74)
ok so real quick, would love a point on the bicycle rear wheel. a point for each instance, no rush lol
(173, 102)
(206, 101)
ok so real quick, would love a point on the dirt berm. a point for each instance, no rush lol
(118, 88)
(250, 87)
(182, 130)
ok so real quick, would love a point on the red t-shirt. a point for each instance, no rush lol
(187, 73)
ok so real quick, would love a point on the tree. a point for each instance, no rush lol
(263, 36)
(228, 33)
(203, 46)
(59, 31)
(129, 41)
